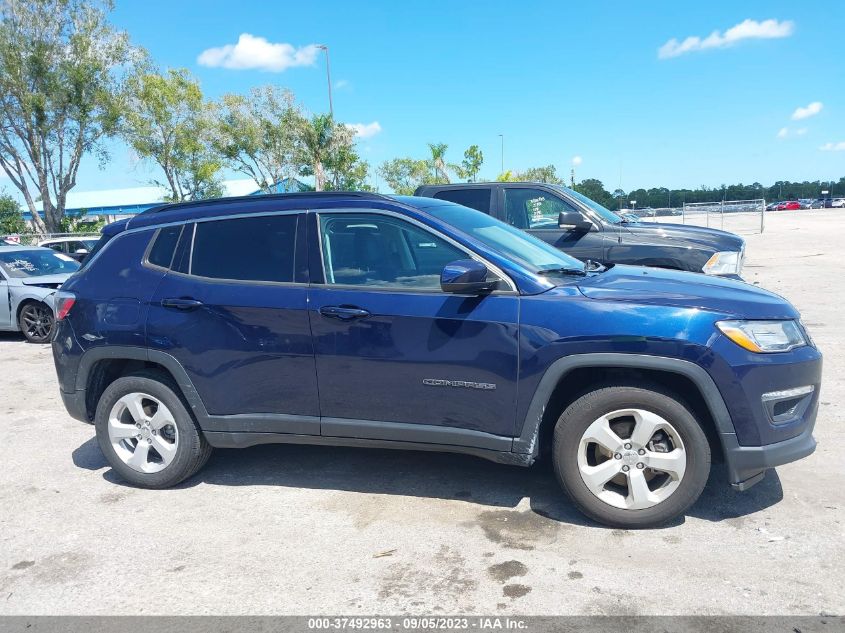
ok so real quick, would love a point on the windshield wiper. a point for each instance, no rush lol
(581, 272)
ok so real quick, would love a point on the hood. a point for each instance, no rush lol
(692, 235)
(45, 281)
(657, 286)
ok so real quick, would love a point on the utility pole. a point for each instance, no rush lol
(502, 136)
(325, 49)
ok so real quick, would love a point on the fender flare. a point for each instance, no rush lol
(121, 352)
(527, 442)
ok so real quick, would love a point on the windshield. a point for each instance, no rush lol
(533, 253)
(606, 214)
(36, 263)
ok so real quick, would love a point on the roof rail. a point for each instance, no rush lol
(270, 196)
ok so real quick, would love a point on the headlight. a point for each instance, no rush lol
(763, 336)
(723, 263)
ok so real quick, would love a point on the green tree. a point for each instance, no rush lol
(508, 176)
(345, 170)
(168, 122)
(11, 220)
(471, 164)
(257, 134)
(439, 167)
(62, 67)
(547, 174)
(594, 189)
(404, 175)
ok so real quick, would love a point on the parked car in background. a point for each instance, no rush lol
(411, 323)
(75, 247)
(29, 278)
(584, 229)
(838, 203)
(630, 217)
(772, 206)
(822, 203)
(791, 205)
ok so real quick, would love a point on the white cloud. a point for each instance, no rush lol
(577, 160)
(785, 132)
(365, 130)
(340, 84)
(805, 113)
(833, 147)
(253, 52)
(745, 30)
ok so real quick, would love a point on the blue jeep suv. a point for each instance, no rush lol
(357, 319)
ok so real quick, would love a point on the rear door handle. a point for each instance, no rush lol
(181, 303)
(344, 313)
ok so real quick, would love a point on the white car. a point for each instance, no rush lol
(838, 203)
(29, 278)
(74, 247)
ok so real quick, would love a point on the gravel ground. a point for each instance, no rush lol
(314, 530)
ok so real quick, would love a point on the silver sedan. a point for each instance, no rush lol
(29, 278)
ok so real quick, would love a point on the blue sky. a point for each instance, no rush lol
(557, 79)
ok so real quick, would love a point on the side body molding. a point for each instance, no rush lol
(527, 442)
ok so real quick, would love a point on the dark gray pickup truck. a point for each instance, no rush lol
(586, 230)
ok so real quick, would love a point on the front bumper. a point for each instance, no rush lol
(748, 464)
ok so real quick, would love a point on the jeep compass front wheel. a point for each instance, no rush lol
(146, 432)
(631, 456)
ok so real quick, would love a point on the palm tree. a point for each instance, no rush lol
(316, 140)
(438, 162)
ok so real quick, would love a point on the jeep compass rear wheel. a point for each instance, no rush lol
(146, 432)
(631, 456)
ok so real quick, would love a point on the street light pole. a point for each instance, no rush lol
(502, 136)
(325, 49)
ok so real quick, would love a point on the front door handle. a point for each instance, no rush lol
(181, 303)
(344, 313)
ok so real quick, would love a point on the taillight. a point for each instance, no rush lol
(64, 302)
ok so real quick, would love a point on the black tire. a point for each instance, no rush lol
(192, 449)
(36, 322)
(578, 416)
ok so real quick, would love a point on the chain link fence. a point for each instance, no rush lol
(736, 216)
(34, 239)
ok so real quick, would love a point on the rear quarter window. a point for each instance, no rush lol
(164, 245)
(477, 198)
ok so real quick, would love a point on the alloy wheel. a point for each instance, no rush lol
(37, 322)
(143, 433)
(632, 459)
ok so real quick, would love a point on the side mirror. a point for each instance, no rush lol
(466, 276)
(572, 220)
(81, 251)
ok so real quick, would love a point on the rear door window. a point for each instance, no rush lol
(477, 198)
(259, 248)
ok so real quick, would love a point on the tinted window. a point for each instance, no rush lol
(473, 198)
(376, 250)
(533, 208)
(248, 249)
(161, 254)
